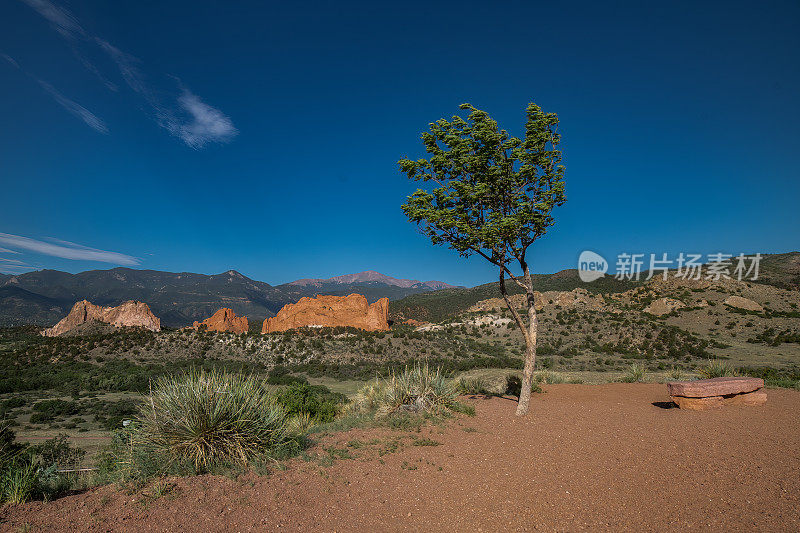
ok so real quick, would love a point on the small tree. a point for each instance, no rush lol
(494, 198)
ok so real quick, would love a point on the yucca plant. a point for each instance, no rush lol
(471, 385)
(208, 418)
(676, 373)
(548, 377)
(716, 369)
(418, 388)
(635, 373)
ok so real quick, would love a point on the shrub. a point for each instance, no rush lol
(280, 376)
(717, 369)
(676, 373)
(57, 452)
(548, 377)
(18, 480)
(635, 373)
(204, 419)
(32, 472)
(471, 386)
(415, 389)
(514, 385)
(316, 401)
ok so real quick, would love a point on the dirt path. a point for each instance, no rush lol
(590, 457)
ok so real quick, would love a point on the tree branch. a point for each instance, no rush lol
(513, 310)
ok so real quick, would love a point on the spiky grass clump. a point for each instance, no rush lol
(472, 385)
(548, 377)
(205, 419)
(676, 373)
(717, 369)
(415, 389)
(18, 481)
(635, 374)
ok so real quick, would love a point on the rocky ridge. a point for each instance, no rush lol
(130, 313)
(331, 311)
(224, 320)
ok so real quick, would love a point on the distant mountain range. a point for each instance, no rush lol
(178, 299)
(44, 297)
(370, 276)
(778, 270)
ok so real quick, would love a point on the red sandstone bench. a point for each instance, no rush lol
(716, 392)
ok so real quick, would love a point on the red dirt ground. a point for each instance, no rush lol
(597, 457)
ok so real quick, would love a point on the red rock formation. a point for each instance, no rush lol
(224, 320)
(331, 311)
(716, 392)
(130, 313)
(723, 386)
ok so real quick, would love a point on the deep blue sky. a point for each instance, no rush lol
(261, 136)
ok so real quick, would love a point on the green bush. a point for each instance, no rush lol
(205, 419)
(514, 385)
(320, 404)
(32, 472)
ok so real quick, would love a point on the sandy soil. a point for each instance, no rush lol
(588, 458)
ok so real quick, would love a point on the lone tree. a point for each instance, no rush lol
(494, 198)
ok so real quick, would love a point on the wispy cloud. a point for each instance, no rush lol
(91, 120)
(185, 115)
(59, 18)
(66, 250)
(201, 124)
(128, 66)
(7, 251)
(17, 262)
(10, 60)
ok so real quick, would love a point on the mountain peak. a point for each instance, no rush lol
(371, 276)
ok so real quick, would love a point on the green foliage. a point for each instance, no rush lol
(415, 389)
(495, 192)
(203, 419)
(635, 373)
(18, 480)
(32, 472)
(464, 385)
(280, 376)
(58, 452)
(716, 368)
(316, 401)
(514, 385)
(786, 377)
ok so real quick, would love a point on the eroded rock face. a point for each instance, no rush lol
(664, 306)
(743, 303)
(130, 313)
(331, 311)
(578, 297)
(224, 320)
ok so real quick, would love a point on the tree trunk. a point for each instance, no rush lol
(528, 332)
(530, 356)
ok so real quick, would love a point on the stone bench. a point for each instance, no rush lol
(716, 392)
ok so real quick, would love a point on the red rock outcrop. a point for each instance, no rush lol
(224, 320)
(716, 392)
(130, 313)
(331, 311)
